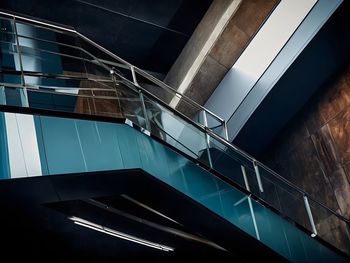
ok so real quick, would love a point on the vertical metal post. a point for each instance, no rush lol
(250, 202)
(205, 120)
(225, 130)
(309, 214)
(134, 79)
(144, 110)
(258, 178)
(26, 102)
(245, 178)
(207, 139)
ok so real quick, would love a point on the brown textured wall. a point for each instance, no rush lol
(313, 151)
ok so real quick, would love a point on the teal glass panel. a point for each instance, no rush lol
(271, 230)
(10, 78)
(176, 173)
(12, 96)
(99, 137)
(128, 146)
(41, 145)
(153, 157)
(5, 166)
(15, 97)
(63, 146)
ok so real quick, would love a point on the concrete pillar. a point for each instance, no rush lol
(215, 45)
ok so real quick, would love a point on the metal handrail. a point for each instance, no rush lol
(276, 175)
(138, 70)
(206, 130)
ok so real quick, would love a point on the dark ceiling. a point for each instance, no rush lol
(35, 221)
(147, 33)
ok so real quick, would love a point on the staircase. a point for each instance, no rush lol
(74, 80)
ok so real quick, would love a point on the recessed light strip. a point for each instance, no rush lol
(115, 233)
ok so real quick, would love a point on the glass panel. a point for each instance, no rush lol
(52, 101)
(93, 51)
(43, 62)
(10, 78)
(12, 96)
(225, 163)
(7, 37)
(190, 111)
(293, 206)
(271, 187)
(39, 32)
(163, 94)
(219, 129)
(9, 58)
(123, 72)
(82, 96)
(104, 100)
(7, 30)
(170, 97)
(330, 228)
(97, 70)
(52, 82)
(215, 124)
(130, 104)
(175, 131)
(279, 195)
(49, 46)
(271, 229)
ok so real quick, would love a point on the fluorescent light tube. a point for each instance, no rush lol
(115, 233)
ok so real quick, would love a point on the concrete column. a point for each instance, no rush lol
(215, 45)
